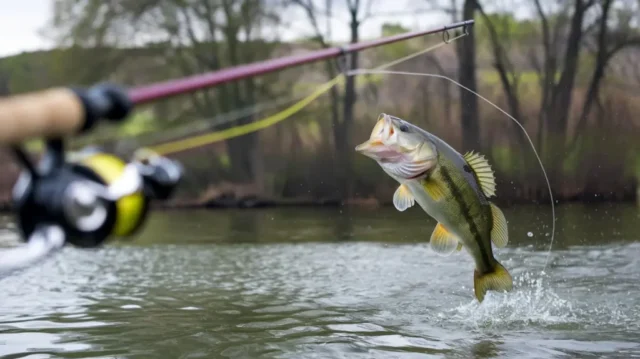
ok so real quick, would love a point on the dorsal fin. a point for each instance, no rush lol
(483, 171)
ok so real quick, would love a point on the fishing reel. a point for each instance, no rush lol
(86, 197)
(89, 196)
(82, 198)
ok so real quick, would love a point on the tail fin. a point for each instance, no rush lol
(498, 280)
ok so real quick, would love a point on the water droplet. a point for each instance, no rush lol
(530, 234)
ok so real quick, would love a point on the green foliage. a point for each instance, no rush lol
(510, 31)
(393, 29)
(572, 162)
(225, 162)
(525, 78)
(89, 57)
(27, 71)
(138, 123)
(503, 159)
(398, 49)
(633, 164)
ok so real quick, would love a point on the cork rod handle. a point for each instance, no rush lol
(54, 112)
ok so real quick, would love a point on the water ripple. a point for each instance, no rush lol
(320, 300)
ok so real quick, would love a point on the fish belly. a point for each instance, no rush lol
(442, 211)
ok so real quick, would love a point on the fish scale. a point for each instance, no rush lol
(464, 214)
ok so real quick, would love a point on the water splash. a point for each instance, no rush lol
(531, 303)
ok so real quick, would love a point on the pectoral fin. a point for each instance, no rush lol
(402, 198)
(499, 232)
(459, 247)
(442, 241)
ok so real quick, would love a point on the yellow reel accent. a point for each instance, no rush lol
(129, 209)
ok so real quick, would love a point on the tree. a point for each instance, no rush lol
(194, 36)
(466, 50)
(609, 41)
(560, 43)
(358, 12)
(467, 77)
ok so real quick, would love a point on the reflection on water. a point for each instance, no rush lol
(330, 284)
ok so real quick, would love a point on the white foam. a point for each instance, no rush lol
(529, 303)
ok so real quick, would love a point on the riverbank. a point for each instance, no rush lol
(230, 201)
(371, 203)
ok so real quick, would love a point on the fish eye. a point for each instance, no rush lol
(404, 128)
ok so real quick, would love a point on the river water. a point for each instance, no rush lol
(330, 283)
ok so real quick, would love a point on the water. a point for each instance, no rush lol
(309, 283)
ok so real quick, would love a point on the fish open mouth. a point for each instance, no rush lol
(395, 160)
(368, 145)
(378, 151)
(377, 147)
(399, 151)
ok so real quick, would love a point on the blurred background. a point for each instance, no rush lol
(341, 282)
(567, 70)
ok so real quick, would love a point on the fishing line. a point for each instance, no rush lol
(212, 137)
(553, 215)
(204, 124)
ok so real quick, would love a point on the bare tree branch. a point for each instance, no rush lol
(607, 47)
(367, 13)
(503, 66)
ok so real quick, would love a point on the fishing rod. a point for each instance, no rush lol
(87, 197)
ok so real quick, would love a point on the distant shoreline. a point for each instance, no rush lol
(254, 203)
(364, 203)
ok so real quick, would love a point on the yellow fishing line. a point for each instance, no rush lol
(193, 142)
(212, 137)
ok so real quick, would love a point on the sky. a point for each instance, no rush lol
(19, 24)
(21, 20)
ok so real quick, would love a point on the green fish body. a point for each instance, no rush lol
(451, 188)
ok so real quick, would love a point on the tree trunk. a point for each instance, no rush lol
(558, 111)
(602, 58)
(241, 150)
(467, 77)
(347, 117)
